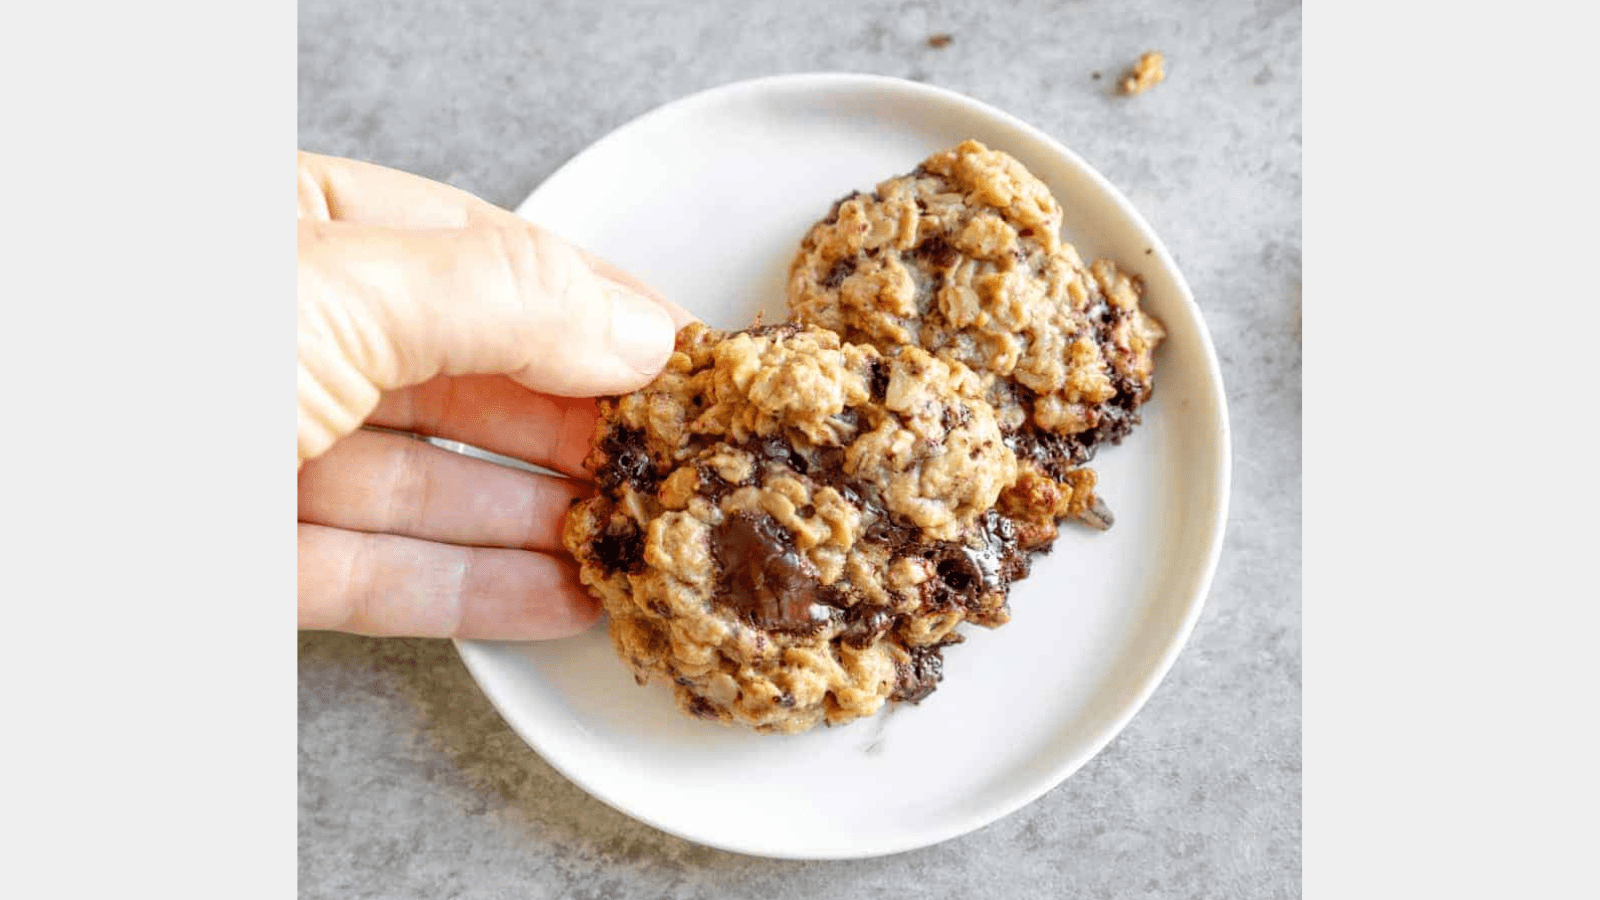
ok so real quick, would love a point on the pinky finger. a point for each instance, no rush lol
(385, 585)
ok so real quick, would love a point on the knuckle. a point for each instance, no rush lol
(312, 196)
(453, 612)
(550, 276)
(408, 484)
(358, 589)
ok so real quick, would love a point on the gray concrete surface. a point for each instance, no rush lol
(411, 786)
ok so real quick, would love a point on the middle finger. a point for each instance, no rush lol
(494, 413)
(389, 484)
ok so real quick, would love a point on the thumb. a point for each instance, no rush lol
(381, 309)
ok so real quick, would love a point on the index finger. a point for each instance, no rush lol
(495, 414)
(333, 189)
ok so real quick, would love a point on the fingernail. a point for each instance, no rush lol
(680, 316)
(641, 332)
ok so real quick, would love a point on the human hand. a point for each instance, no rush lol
(426, 310)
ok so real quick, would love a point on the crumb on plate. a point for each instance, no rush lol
(1148, 72)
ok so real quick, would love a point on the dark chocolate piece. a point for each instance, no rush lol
(621, 547)
(864, 625)
(916, 678)
(878, 380)
(764, 578)
(627, 462)
(839, 271)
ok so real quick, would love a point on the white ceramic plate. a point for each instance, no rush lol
(707, 198)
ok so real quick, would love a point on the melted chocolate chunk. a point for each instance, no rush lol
(764, 578)
(1006, 393)
(701, 707)
(1104, 317)
(1000, 557)
(834, 596)
(893, 534)
(878, 380)
(777, 450)
(627, 462)
(850, 496)
(958, 579)
(840, 270)
(864, 625)
(1114, 418)
(620, 548)
(966, 572)
(954, 417)
(850, 419)
(1056, 454)
(713, 484)
(1117, 418)
(937, 252)
(827, 465)
(916, 678)
(1111, 421)
(824, 465)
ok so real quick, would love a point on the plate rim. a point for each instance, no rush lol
(912, 839)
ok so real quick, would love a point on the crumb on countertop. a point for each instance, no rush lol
(1148, 72)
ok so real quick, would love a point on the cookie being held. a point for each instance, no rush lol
(789, 527)
(963, 258)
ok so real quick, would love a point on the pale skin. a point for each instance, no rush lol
(424, 309)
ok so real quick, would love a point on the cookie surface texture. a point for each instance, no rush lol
(787, 528)
(963, 257)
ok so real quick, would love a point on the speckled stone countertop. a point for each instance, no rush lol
(411, 786)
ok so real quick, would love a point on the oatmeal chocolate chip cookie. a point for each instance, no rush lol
(788, 527)
(963, 258)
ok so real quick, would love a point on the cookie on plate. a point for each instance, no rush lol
(788, 527)
(963, 257)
